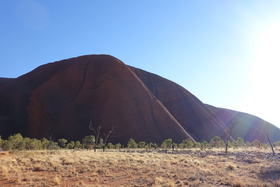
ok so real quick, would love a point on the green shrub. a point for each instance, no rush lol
(132, 144)
(7, 145)
(89, 141)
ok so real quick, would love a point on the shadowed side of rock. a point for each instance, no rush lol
(98, 88)
(247, 126)
(190, 112)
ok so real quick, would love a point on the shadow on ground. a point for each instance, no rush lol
(270, 173)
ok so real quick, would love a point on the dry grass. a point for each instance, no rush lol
(184, 168)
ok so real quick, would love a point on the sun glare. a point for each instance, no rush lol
(266, 73)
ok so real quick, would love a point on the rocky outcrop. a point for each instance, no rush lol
(245, 125)
(190, 112)
(59, 99)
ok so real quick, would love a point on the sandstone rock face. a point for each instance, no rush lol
(59, 99)
(245, 125)
(190, 112)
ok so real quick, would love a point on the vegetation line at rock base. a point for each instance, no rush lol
(17, 142)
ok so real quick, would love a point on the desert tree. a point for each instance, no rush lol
(45, 143)
(154, 145)
(151, 145)
(216, 142)
(52, 144)
(98, 134)
(16, 141)
(148, 145)
(142, 144)
(21, 145)
(188, 143)
(110, 145)
(89, 141)
(229, 131)
(239, 142)
(70, 145)
(32, 144)
(101, 144)
(204, 145)
(7, 145)
(78, 145)
(131, 143)
(107, 136)
(62, 142)
(270, 144)
(167, 144)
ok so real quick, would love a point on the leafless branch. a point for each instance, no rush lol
(96, 132)
(107, 136)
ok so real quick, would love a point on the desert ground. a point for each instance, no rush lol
(240, 167)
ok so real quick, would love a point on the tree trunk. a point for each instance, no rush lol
(228, 136)
(270, 145)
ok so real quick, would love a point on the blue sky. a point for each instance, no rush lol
(226, 52)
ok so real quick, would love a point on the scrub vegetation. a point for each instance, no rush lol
(31, 162)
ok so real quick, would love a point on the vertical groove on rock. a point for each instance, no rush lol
(83, 81)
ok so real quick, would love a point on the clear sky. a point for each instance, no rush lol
(225, 52)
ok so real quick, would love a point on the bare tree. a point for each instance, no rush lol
(270, 145)
(97, 132)
(229, 131)
(107, 136)
(50, 137)
(52, 143)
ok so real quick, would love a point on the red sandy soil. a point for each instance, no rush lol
(140, 168)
